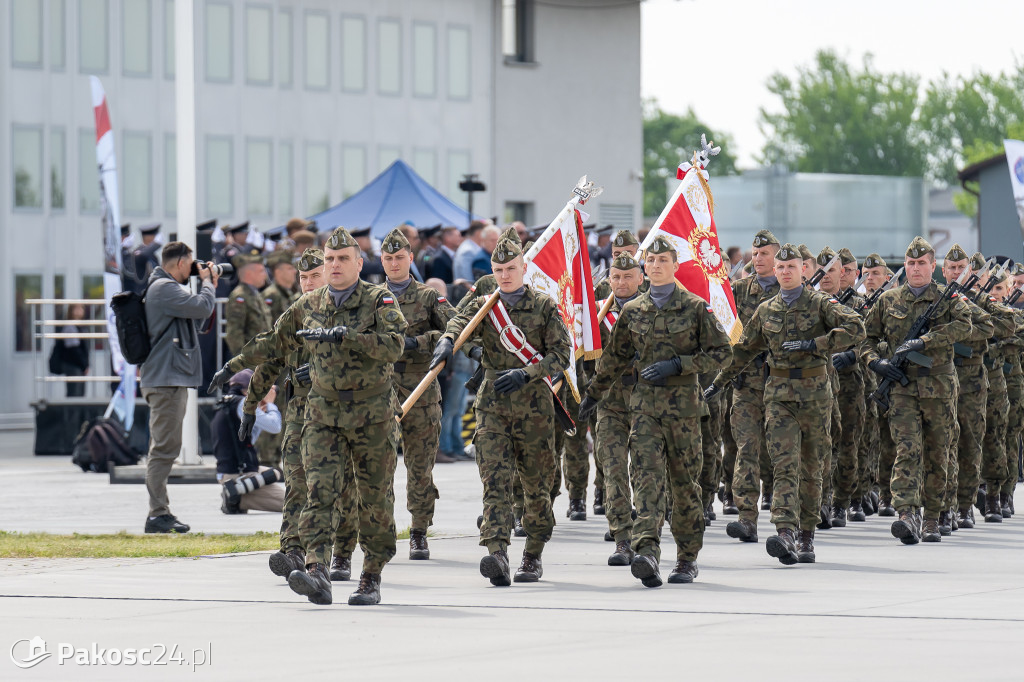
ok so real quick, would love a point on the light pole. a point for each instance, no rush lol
(469, 185)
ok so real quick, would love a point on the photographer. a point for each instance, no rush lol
(174, 365)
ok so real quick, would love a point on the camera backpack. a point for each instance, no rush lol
(130, 321)
(100, 443)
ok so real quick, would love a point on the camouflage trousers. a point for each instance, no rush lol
(419, 449)
(886, 457)
(345, 521)
(513, 444)
(835, 431)
(964, 464)
(371, 451)
(667, 459)
(611, 450)
(270, 446)
(799, 440)
(867, 452)
(1015, 424)
(753, 463)
(574, 456)
(728, 442)
(711, 448)
(922, 429)
(993, 453)
(845, 472)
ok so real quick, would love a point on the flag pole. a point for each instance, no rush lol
(605, 308)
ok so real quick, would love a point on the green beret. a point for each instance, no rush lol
(875, 261)
(247, 257)
(955, 253)
(1017, 269)
(624, 261)
(764, 238)
(805, 253)
(790, 252)
(661, 245)
(395, 242)
(341, 239)
(510, 233)
(977, 261)
(625, 238)
(279, 257)
(505, 251)
(825, 257)
(311, 259)
(919, 248)
(846, 256)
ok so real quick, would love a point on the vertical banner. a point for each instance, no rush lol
(1015, 160)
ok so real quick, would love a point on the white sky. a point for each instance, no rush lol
(752, 40)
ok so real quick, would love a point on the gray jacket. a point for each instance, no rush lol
(175, 357)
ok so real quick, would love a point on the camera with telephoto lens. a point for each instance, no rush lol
(220, 269)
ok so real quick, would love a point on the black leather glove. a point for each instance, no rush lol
(805, 346)
(557, 377)
(219, 379)
(410, 343)
(473, 385)
(657, 372)
(245, 430)
(911, 345)
(510, 381)
(442, 353)
(711, 391)
(886, 369)
(844, 360)
(301, 375)
(587, 407)
(332, 335)
(476, 352)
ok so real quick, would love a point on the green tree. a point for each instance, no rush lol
(836, 118)
(669, 140)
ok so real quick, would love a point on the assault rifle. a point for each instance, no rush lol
(985, 288)
(848, 293)
(1012, 298)
(873, 298)
(813, 280)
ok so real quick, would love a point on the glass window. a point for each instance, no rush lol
(285, 178)
(284, 48)
(458, 165)
(58, 37)
(135, 33)
(218, 42)
(318, 180)
(93, 38)
(424, 60)
(258, 162)
(516, 26)
(519, 210)
(219, 180)
(58, 168)
(59, 290)
(389, 57)
(258, 45)
(92, 287)
(27, 33)
(353, 169)
(458, 62)
(138, 174)
(25, 287)
(88, 172)
(353, 54)
(27, 166)
(386, 155)
(170, 174)
(317, 50)
(424, 162)
(169, 57)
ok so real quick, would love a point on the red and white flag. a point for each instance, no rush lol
(687, 221)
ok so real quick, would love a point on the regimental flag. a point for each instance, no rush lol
(1015, 161)
(561, 269)
(687, 221)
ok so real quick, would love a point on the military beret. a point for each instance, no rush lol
(361, 232)
(624, 261)
(247, 257)
(303, 236)
(846, 256)
(625, 238)
(825, 257)
(151, 228)
(661, 245)
(505, 251)
(311, 259)
(296, 224)
(1017, 269)
(240, 227)
(528, 245)
(875, 261)
(341, 239)
(428, 232)
(789, 252)
(955, 253)
(395, 242)
(805, 253)
(764, 238)
(919, 248)
(207, 226)
(279, 257)
(510, 233)
(977, 261)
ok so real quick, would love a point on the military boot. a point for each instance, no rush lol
(930, 532)
(623, 554)
(707, 519)
(495, 567)
(857, 511)
(577, 510)
(1004, 505)
(645, 568)
(418, 548)
(993, 512)
(743, 530)
(805, 547)
(517, 527)
(283, 563)
(729, 506)
(885, 508)
(783, 546)
(710, 511)
(598, 502)
(312, 583)
(1009, 502)
(530, 570)
(824, 517)
(608, 537)
(954, 525)
(479, 521)
(341, 568)
(367, 592)
(979, 500)
(945, 523)
(907, 528)
(839, 516)
(766, 502)
(684, 572)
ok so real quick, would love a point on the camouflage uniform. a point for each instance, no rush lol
(1015, 398)
(711, 443)
(1000, 352)
(574, 455)
(853, 410)
(729, 444)
(246, 315)
(277, 300)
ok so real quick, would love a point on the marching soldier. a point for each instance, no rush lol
(245, 312)
(280, 293)
(874, 272)
(884, 453)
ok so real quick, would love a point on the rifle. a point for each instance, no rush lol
(849, 292)
(1012, 298)
(985, 288)
(813, 280)
(900, 360)
(873, 298)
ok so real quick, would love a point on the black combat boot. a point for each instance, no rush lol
(283, 563)
(839, 516)
(729, 506)
(710, 511)
(805, 547)
(645, 567)
(684, 572)
(1004, 505)
(707, 519)
(623, 554)
(857, 511)
(766, 502)
(517, 527)
(608, 536)
(993, 512)
(945, 523)
(530, 570)
(979, 500)
(312, 583)
(907, 528)
(577, 510)
(783, 546)
(930, 532)
(885, 508)
(368, 591)
(495, 567)
(598, 502)
(341, 568)
(418, 548)
(824, 517)
(743, 530)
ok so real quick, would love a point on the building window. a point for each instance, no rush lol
(58, 168)
(27, 166)
(424, 162)
(318, 177)
(285, 178)
(27, 33)
(138, 174)
(519, 210)
(169, 65)
(386, 155)
(218, 42)
(258, 44)
(219, 178)
(353, 169)
(317, 50)
(619, 215)
(458, 62)
(170, 174)
(25, 287)
(517, 30)
(93, 36)
(284, 48)
(88, 172)
(258, 183)
(59, 289)
(353, 54)
(458, 166)
(389, 57)
(58, 36)
(136, 29)
(424, 60)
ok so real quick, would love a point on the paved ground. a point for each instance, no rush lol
(871, 609)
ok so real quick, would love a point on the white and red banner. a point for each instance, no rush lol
(1015, 160)
(687, 221)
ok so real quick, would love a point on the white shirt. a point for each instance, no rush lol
(268, 419)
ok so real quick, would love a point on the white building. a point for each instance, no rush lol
(300, 103)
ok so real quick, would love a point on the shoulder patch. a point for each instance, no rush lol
(239, 299)
(268, 301)
(391, 316)
(710, 309)
(832, 300)
(442, 299)
(387, 300)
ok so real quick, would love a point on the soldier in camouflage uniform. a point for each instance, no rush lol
(427, 314)
(874, 271)
(922, 414)
(676, 336)
(1015, 421)
(800, 329)
(278, 296)
(245, 312)
(514, 411)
